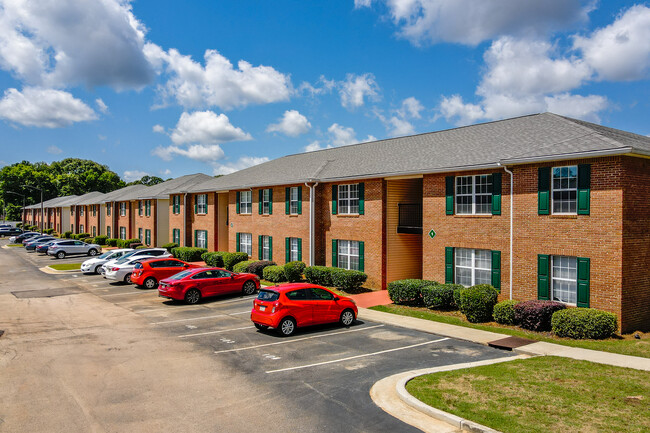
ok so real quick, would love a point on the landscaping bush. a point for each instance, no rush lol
(141, 247)
(347, 279)
(212, 259)
(274, 274)
(257, 267)
(170, 246)
(457, 289)
(321, 275)
(438, 296)
(111, 242)
(67, 235)
(101, 239)
(48, 231)
(88, 240)
(81, 236)
(504, 312)
(293, 271)
(128, 243)
(584, 323)
(408, 292)
(477, 302)
(242, 266)
(231, 259)
(19, 225)
(536, 315)
(188, 254)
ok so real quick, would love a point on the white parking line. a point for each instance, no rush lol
(123, 294)
(199, 318)
(299, 339)
(214, 332)
(356, 356)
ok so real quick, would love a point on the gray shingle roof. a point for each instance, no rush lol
(88, 198)
(130, 192)
(180, 184)
(54, 202)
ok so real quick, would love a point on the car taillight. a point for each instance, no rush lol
(115, 269)
(276, 306)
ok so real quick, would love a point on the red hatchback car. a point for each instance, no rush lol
(148, 273)
(288, 306)
(192, 285)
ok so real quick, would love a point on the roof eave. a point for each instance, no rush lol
(571, 155)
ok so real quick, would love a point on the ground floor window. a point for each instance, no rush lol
(473, 267)
(266, 248)
(147, 237)
(201, 238)
(108, 231)
(295, 247)
(81, 228)
(140, 235)
(246, 243)
(176, 236)
(564, 277)
(348, 255)
(94, 231)
(123, 233)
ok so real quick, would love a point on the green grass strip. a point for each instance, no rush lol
(66, 267)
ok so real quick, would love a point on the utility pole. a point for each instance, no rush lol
(41, 190)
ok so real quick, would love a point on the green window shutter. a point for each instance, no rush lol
(206, 204)
(496, 270)
(270, 248)
(140, 207)
(362, 265)
(196, 205)
(362, 198)
(195, 237)
(259, 203)
(260, 245)
(300, 200)
(287, 201)
(584, 188)
(287, 250)
(543, 270)
(271, 201)
(449, 264)
(238, 199)
(449, 195)
(335, 195)
(543, 191)
(300, 250)
(583, 281)
(335, 253)
(237, 240)
(496, 194)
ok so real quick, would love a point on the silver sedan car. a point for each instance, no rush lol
(123, 271)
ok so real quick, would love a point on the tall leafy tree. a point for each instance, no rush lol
(147, 180)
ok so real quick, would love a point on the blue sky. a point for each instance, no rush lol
(168, 88)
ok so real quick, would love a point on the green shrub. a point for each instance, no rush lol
(242, 267)
(67, 235)
(81, 236)
(457, 289)
(293, 271)
(257, 267)
(504, 312)
(101, 239)
(348, 279)
(274, 274)
(438, 296)
(170, 246)
(88, 240)
(536, 315)
(212, 259)
(48, 231)
(111, 242)
(128, 243)
(477, 302)
(584, 323)
(188, 254)
(19, 225)
(231, 259)
(321, 275)
(141, 247)
(408, 292)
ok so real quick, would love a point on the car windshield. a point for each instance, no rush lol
(105, 255)
(180, 275)
(268, 295)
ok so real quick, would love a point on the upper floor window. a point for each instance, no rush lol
(474, 194)
(202, 204)
(147, 208)
(176, 204)
(109, 206)
(294, 200)
(140, 208)
(348, 199)
(245, 202)
(81, 210)
(267, 196)
(565, 189)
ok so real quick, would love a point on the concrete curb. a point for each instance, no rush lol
(49, 270)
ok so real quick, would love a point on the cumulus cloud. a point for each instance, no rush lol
(471, 22)
(397, 122)
(292, 124)
(158, 129)
(356, 88)
(338, 135)
(46, 108)
(67, 42)
(101, 106)
(54, 150)
(199, 152)
(131, 175)
(242, 163)
(218, 83)
(206, 127)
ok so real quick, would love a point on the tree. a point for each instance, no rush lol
(147, 180)
(80, 176)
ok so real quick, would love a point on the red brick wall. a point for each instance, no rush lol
(93, 221)
(176, 221)
(124, 221)
(205, 221)
(145, 222)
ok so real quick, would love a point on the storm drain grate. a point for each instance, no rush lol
(46, 293)
(510, 343)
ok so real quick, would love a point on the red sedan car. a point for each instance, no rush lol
(149, 272)
(288, 306)
(192, 285)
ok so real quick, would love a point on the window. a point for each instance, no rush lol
(348, 255)
(321, 294)
(108, 231)
(245, 202)
(565, 189)
(147, 208)
(297, 295)
(176, 236)
(123, 208)
(147, 237)
(109, 206)
(176, 204)
(474, 194)
(94, 231)
(201, 238)
(81, 228)
(71, 211)
(293, 201)
(202, 204)
(94, 210)
(140, 207)
(81, 210)
(123, 233)
(294, 249)
(140, 234)
(473, 267)
(348, 199)
(246, 243)
(564, 277)
(266, 248)
(266, 201)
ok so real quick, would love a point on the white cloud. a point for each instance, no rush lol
(54, 150)
(356, 88)
(581, 107)
(338, 136)
(218, 83)
(620, 51)
(471, 22)
(292, 124)
(314, 145)
(101, 106)
(45, 108)
(102, 137)
(397, 123)
(199, 152)
(131, 175)
(323, 86)
(66, 42)
(206, 127)
(242, 163)
(411, 107)
(165, 172)
(158, 129)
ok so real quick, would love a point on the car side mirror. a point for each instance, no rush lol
(336, 298)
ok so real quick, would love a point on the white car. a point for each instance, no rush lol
(147, 253)
(94, 265)
(123, 271)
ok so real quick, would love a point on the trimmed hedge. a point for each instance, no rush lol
(257, 267)
(48, 231)
(438, 296)
(188, 254)
(67, 235)
(536, 315)
(88, 240)
(347, 279)
(81, 236)
(293, 271)
(457, 289)
(242, 267)
(141, 247)
(170, 246)
(231, 259)
(128, 243)
(274, 274)
(477, 302)
(504, 312)
(212, 259)
(408, 292)
(101, 239)
(111, 242)
(320, 275)
(582, 323)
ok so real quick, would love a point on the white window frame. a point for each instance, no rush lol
(569, 189)
(345, 256)
(108, 232)
(266, 248)
(293, 250)
(174, 231)
(202, 204)
(81, 228)
(201, 238)
(560, 280)
(293, 200)
(347, 204)
(246, 202)
(109, 207)
(140, 234)
(473, 267)
(246, 243)
(473, 194)
(266, 200)
(176, 204)
(81, 210)
(123, 208)
(123, 233)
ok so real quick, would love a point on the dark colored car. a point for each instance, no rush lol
(148, 273)
(31, 245)
(22, 237)
(42, 248)
(192, 285)
(10, 231)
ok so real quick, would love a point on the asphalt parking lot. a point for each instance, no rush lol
(328, 369)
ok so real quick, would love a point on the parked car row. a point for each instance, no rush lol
(56, 247)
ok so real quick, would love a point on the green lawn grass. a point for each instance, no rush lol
(544, 394)
(15, 245)
(625, 345)
(66, 266)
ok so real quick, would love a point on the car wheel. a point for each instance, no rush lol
(98, 269)
(249, 288)
(92, 252)
(60, 255)
(287, 327)
(347, 317)
(150, 283)
(192, 296)
(261, 327)
(127, 279)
